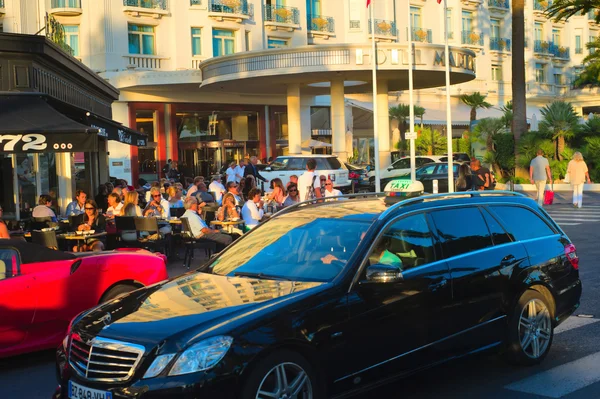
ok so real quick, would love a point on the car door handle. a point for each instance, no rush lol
(507, 260)
(437, 285)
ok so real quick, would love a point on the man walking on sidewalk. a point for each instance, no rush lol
(539, 170)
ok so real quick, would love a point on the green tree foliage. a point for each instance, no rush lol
(507, 111)
(430, 142)
(591, 154)
(560, 124)
(475, 101)
(487, 129)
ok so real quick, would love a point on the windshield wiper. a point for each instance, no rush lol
(260, 275)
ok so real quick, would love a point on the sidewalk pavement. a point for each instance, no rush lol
(566, 197)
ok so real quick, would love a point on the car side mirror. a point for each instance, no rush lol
(390, 169)
(380, 273)
(268, 169)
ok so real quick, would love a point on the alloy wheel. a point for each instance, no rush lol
(535, 328)
(285, 381)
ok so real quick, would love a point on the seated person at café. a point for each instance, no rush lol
(77, 207)
(293, 197)
(158, 207)
(253, 212)
(330, 191)
(92, 220)
(175, 194)
(114, 205)
(202, 195)
(154, 184)
(4, 233)
(218, 188)
(249, 184)
(232, 187)
(293, 180)
(43, 210)
(199, 227)
(278, 193)
(228, 210)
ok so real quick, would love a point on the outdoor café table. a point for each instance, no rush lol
(80, 238)
(228, 225)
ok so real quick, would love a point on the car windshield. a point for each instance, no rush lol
(294, 248)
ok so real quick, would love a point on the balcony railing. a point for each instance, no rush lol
(541, 47)
(559, 51)
(195, 2)
(239, 7)
(499, 44)
(472, 38)
(149, 4)
(592, 15)
(421, 35)
(578, 50)
(321, 23)
(59, 4)
(354, 24)
(282, 14)
(499, 4)
(384, 27)
(541, 5)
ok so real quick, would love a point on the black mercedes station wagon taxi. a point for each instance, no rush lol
(331, 298)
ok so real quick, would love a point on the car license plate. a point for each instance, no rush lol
(77, 391)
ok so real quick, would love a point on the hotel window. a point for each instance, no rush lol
(314, 7)
(415, 17)
(538, 31)
(558, 76)
(540, 76)
(247, 41)
(592, 38)
(276, 43)
(196, 42)
(467, 21)
(578, 46)
(556, 37)
(72, 38)
(141, 39)
(223, 42)
(449, 23)
(497, 73)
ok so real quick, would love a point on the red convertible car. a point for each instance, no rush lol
(41, 289)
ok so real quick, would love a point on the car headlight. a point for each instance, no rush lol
(158, 365)
(202, 356)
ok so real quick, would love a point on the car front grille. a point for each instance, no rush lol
(102, 359)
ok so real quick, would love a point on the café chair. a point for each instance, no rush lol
(126, 231)
(75, 221)
(177, 212)
(191, 243)
(40, 223)
(45, 238)
(148, 234)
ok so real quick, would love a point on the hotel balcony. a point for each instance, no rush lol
(282, 18)
(229, 10)
(384, 30)
(498, 6)
(421, 35)
(146, 8)
(321, 26)
(592, 15)
(540, 6)
(499, 44)
(66, 8)
(542, 48)
(472, 39)
(559, 52)
(2, 9)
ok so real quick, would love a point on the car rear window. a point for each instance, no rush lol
(334, 163)
(521, 223)
(462, 230)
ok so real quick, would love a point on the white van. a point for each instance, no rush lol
(287, 165)
(401, 167)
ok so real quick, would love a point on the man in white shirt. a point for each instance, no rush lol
(253, 212)
(308, 179)
(158, 206)
(114, 205)
(330, 191)
(199, 227)
(217, 187)
(230, 172)
(239, 171)
(192, 190)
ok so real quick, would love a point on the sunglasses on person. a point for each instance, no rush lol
(328, 184)
(293, 191)
(89, 209)
(156, 195)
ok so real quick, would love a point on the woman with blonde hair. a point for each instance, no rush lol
(577, 171)
(130, 207)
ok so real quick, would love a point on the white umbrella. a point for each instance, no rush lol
(534, 123)
(314, 144)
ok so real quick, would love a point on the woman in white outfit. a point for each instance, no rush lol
(578, 175)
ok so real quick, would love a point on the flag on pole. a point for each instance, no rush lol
(439, 1)
(369, 3)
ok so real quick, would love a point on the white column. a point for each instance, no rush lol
(268, 132)
(294, 119)
(338, 119)
(383, 123)
(65, 186)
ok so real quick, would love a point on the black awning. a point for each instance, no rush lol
(113, 130)
(29, 124)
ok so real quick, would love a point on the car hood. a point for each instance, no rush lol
(193, 305)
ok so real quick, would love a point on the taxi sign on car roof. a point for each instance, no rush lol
(403, 188)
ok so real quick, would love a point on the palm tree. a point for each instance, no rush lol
(519, 105)
(565, 9)
(487, 128)
(401, 113)
(507, 111)
(475, 101)
(419, 113)
(560, 122)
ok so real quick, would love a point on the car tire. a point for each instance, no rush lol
(116, 291)
(530, 330)
(298, 371)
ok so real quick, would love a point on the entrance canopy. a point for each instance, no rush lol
(29, 124)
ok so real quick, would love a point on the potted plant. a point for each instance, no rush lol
(320, 22)
(501, 44)
(283, 13)
(421, 34)
(474, 38)
(543, 3)
(384, 26)
(231, 3)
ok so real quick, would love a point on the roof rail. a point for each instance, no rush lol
(442, 196)
(320, 201)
